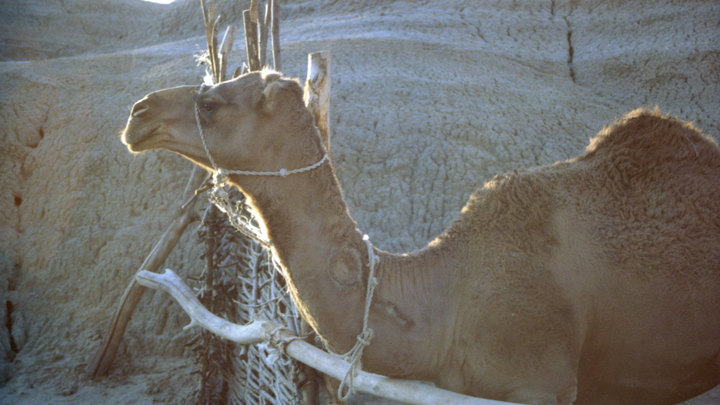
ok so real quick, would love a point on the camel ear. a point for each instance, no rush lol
(277, 88)
(269, 95)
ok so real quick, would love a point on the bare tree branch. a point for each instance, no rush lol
(169, 282)
(225, 49)
(213, 48)
(410, 392)
(275, 10)
(254, 10)
(263, 26)
(251, 40)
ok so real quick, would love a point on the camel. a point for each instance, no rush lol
(595, 280)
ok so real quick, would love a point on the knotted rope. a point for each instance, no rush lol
(354, 356)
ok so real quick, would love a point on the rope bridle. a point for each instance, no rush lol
(220, 175)
(219, 197)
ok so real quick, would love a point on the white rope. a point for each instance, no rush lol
(282, 172)
(354, 356)
(221, 175)
(202, 138)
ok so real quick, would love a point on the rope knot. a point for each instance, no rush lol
(354, 356)
(220, 177)
(279, 341)
(365, 337)
(372, 282)
(219, 192)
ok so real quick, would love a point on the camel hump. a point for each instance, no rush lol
(646, 138)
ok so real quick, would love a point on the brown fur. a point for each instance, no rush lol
(596, 278)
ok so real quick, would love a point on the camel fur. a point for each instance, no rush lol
(591, 281)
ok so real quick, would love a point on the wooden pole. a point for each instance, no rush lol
(317, 93)
(275, 10)
(409, 392)
(211, 28)
(317, 99)
(225, 49)
(264, 24)
(102, 359)
(251, 40)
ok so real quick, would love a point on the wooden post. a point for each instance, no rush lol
(275, 10)
(317, 93)
(211, 28)
(251, 40)
(264, 24)
(317, 100)
(225, 48)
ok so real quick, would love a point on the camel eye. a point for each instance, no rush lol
(207, 107)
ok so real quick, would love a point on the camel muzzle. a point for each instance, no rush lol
(138, 135)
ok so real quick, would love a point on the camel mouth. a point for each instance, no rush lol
(139, 140)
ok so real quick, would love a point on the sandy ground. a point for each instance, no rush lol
(429, 100)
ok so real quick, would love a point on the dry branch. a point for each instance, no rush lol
(211, 29)
(263, 25)
(251, 40)
(275, 18)
(225, 47)
(254, 10)
(410, 392)
(169, 282)
(102, 359)
(317, 99)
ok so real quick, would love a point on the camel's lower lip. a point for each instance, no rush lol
(138, 141)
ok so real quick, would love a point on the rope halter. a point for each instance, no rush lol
(220, 198)
(220, 175)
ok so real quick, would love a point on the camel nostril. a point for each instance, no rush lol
(138, 109)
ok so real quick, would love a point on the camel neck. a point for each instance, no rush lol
(325, 264)
(319, 246)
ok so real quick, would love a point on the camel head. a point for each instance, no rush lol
(255, 122)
